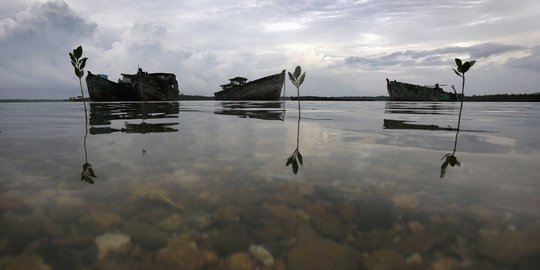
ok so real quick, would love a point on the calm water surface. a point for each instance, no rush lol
(247, 185)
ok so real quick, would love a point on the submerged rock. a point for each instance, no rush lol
(510, 247)
(330, 225)
(386, 259)
(101, 219)
(112, 242)
(231, 239)
(322, 254)
(23, 262)
(406, 201)
(146, 235)
(240, 261)
(172, 223)
(183, 254)
(261, 254)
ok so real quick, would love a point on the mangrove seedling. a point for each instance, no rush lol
(78, 64)
(297, 78)
(450, 158)
(461, 69)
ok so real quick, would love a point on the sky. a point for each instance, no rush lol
(347, 48)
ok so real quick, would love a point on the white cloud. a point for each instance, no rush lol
(349, 46)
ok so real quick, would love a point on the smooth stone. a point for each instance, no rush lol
(240, 261)
(330, 225)
(406, 201)
(323, 254)
(101, 219)
(183, 254)
(386, 259)
(510, 247)
(172, 223)
(112, 242)
(199, 220)
(261, 254)
(231, 239)
(24, 262)
(147, 236)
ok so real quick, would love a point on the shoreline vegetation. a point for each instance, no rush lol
(535, 97)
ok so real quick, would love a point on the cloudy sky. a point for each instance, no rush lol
(348, 48)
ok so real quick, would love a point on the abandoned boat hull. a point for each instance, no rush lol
(142, 86)
(101, 89)
(267, 88)
(400, 91)
(155, 86)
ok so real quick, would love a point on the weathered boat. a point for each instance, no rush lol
(410, 92)
(142, 86)
(266, 88)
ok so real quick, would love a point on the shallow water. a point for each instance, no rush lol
(204, 185)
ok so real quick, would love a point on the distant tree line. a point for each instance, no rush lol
(506, 97)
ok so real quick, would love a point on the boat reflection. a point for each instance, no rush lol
(274, 110)
(393, 107)
(401, 124)
(427, 108)
(134, 117)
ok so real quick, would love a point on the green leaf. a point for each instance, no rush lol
(300, 158)
(78, 52)
(443, 171)
(465, 67)
(295, 167)
(91, 172)
(457, 73)
(83, 63)
(79, 73)
(289, 160)
(291, 77)
(297, 72)
(301, 80)
(74, 64)
(458, 63)
(472, 63)
(72, 57)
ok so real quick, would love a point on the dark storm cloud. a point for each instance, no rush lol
(440, 56)
(34, 46)
(204, 42)
(530, 61)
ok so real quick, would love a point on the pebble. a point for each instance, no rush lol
(261, 254)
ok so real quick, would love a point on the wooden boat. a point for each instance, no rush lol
(409, 92)
(266, 88)
(142, 86)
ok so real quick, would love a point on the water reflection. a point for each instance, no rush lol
(133, 117)
(274, 110)
(426, 108)
(450, 158)
(417, 108)
(87, 173)
(296, 157)
(401, 124)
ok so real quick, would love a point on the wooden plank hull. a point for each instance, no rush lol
(101, 89)
(400, 91)
(143, 87)
(267, 88)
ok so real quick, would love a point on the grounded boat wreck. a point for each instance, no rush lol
(400, 91)
(142, 86)
(266, 88)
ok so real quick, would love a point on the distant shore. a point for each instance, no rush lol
(475, 98)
